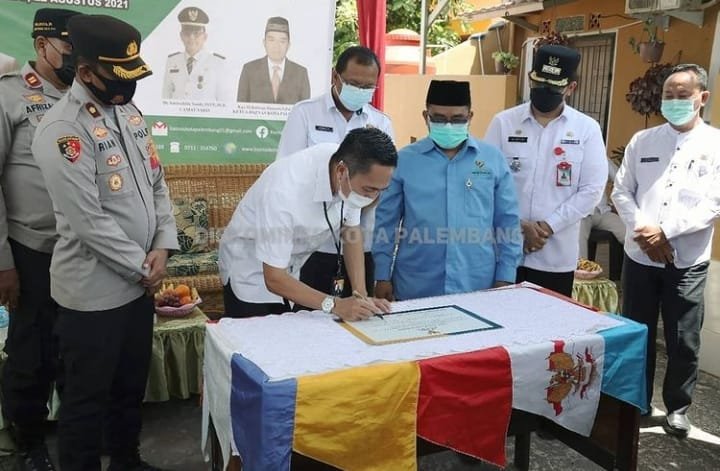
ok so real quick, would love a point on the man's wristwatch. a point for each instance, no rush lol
(328, 304)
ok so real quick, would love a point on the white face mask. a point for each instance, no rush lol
(354, 199)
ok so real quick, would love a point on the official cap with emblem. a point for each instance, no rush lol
(448, 93)
(110, 43)
(193, 19)
(555, 65)
(277, 24)
(52, 23)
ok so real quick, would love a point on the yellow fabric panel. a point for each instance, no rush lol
(360, 418)
(600, 293)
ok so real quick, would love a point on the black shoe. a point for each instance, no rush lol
(677, 425)
(135, 465)
(36, 459)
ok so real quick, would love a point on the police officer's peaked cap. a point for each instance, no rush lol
(555, 65)
(193, 16)
(278, 24)
(448, 93)
(52, 23)
(110, 43)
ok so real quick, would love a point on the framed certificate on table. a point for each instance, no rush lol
(418, 324)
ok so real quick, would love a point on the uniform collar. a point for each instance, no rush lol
(677, 134)
(330, 105)
(29, 74)
(198, 57)
(323, 191)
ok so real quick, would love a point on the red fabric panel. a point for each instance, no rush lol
(371, 28)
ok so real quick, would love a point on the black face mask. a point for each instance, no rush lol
(545, 99)
(113, 88)
(66, 72)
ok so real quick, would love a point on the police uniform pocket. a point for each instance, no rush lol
(479, 191)
(321, 135)
(115, 184)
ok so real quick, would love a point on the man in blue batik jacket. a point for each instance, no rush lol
(451, 209)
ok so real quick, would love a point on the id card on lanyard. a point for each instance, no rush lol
(338, 281)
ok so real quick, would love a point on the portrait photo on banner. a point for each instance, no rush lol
(238, 59)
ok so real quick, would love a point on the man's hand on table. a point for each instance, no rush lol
(9, 288)
(384, 290)
(155, 264)
(357, 309)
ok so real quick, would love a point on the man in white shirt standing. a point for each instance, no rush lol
(604, 217)
(557, 157)
(667, 192)
(328, 118)
(295, 206)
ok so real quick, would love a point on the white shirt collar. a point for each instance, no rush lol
(272, 65)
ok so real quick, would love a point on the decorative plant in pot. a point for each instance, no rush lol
(645, 94)
(505, 62)
(651, 50)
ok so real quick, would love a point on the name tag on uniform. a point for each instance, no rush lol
(522, 139)
(644, 160)
(570, 141)
(324, 128)
(174, 71)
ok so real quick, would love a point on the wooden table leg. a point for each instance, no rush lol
(628, 436)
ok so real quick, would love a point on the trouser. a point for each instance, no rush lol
(320, 269)
(106, 358)
(559, 282)
(608, 221)
(31, 346)
(238, 308)
(677, 294)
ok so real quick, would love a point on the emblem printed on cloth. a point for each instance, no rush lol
(515, 164)
(114, 160)
(100, 133)
(572, 376)
(92, 110)
(32, 80)
(69, 147)
(35, 98)
(115, 182)
(132, 49)
(135, 120)
(193, 14)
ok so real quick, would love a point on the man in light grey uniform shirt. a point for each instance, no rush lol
(27, 237)
(116, 227)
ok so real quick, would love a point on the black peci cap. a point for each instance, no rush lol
(110, 43)
(448, 93)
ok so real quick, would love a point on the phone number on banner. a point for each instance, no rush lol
(113, 4)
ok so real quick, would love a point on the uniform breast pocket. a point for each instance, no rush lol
(479, 195)
(318, 137)
(114, 178)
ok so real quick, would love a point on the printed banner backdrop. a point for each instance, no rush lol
(205, 113)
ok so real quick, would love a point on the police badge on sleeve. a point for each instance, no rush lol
(69, 147)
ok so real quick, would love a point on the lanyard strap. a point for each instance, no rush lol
(336, 239)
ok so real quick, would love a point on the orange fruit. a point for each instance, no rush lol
(185, 300)
(182, 290)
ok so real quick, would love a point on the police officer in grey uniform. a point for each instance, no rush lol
(196, 74)
(27, 236)
(115, 228)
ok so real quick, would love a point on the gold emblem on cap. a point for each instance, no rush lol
(193, 14)
(553, 61)
(132, 48)
(115, 182)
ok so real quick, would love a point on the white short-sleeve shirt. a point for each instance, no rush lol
(281, 221)
(318, 120)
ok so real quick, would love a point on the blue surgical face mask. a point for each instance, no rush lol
(448, 135)
(679, 112)
(354, 98)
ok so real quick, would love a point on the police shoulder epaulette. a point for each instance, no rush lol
(174, 54)
(32, 80)
(218, 55)
(92, 110)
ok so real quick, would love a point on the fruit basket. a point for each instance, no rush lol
(587, 269)
(176, 301)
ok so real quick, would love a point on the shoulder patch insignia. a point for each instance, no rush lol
(35, 98)
(135, 120)
(32, 80)
(92, 109)
(115, 182)
(114, 160)
(69, 147)
(218, 55)
(100, 133)
(152, 151)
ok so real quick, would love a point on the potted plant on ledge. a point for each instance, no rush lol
(645, 94)
(505, 62)
(651, 50)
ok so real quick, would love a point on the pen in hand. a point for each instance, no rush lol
(357, 295)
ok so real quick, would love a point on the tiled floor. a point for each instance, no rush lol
(171, 439)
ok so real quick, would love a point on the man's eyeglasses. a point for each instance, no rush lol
(439, 119)
(357, 85)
